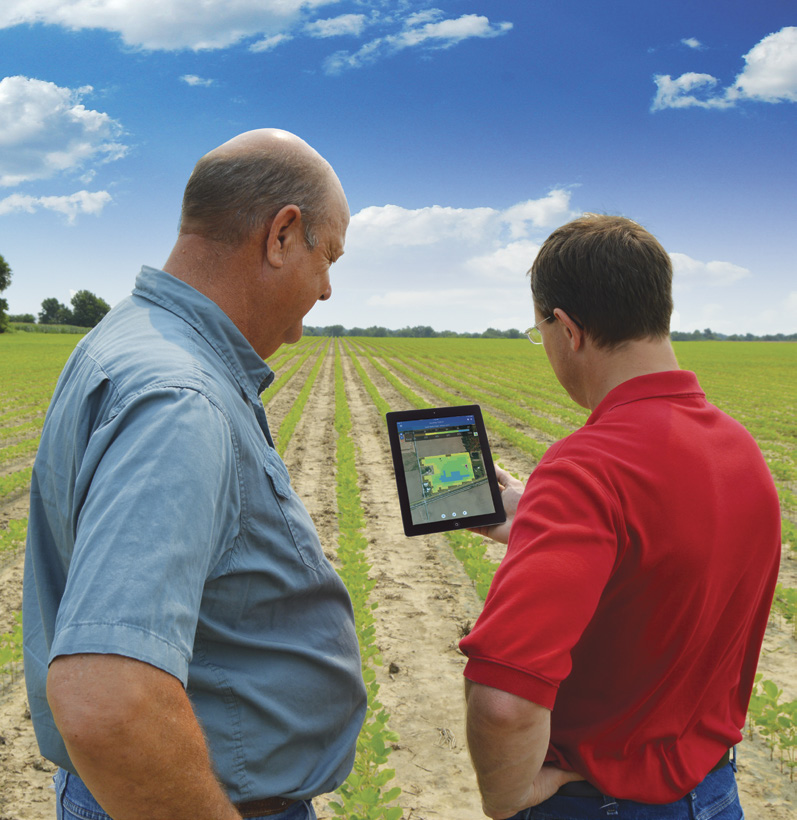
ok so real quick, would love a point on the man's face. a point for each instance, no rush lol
(309, 276)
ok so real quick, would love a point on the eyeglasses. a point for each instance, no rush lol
(533, 333)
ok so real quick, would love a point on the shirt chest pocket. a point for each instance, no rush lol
(297, 519)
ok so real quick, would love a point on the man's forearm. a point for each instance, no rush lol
(508, 739)
(132, 735)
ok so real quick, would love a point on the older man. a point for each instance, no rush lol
(189, 651)
(620, 637)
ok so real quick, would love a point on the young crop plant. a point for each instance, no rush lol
(283, 378)
(19, 450)
(785, 604)
(470, 548)
(776, 722)
(292, 417)
(12, 538)
(14, 482)
(364, 795)
(381, 405)
(11, 653)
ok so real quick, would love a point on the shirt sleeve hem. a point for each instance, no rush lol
(522, 684)
(127, 640)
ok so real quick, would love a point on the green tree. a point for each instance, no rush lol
(26, 318)
(54, 312)
(5, 281)
(88, 309)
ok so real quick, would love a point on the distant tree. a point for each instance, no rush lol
(54, 312)
(88, 309)
(492, 333)
(5, 281)
(334, 330)
(24, 318)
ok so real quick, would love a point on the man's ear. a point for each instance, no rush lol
(575, 334)
(282, 234)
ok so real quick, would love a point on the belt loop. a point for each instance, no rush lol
(610, 806)
(733, 760)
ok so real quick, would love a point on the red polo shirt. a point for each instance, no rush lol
(636, 588)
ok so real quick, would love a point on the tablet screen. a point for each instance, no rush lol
(444, 470)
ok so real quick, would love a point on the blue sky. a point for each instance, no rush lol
(463, 131)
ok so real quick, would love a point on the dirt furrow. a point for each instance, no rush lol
(425, 600)
(310, 456)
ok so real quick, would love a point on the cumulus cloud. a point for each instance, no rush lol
(429, 29)
(769, 75)
(687, 91)
(192, 79)
(457, 268)
(45, 130)
(392, 225)
(692, 42)
(688, 272)
(164, 24)
(81, 202)
(336, 26)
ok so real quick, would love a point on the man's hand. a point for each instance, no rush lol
(131, 732)
(511, 492)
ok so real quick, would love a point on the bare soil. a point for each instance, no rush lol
(425, 604)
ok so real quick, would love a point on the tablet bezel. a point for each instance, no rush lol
(488, 519)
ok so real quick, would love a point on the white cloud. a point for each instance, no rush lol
(270, 42)
(165, 24)
(81, 202)
(680, 92)
(392, 225)
(451, 268)
(688, 272)
(337, 26)
(424, 28)
(692, 42)
(46, 130)
(192, 79)
(506, 262)
(769, 75)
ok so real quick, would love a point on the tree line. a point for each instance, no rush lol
(426, 332)
(86, 308)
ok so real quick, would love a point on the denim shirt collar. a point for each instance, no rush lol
(212, 323)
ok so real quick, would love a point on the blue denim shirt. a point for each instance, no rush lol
(163, 527)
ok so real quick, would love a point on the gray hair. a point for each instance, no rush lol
(230, 195)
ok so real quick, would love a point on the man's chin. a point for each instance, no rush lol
(293, 335)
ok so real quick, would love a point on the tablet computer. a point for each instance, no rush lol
(444, 471)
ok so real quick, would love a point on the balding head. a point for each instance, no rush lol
(241, 185)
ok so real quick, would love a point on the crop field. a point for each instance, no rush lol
(414, 597)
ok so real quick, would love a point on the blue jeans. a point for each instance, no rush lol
(74, 802)
(716, 798)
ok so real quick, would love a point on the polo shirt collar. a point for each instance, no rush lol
(670, 383)
(212, 323)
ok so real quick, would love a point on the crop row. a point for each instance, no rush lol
(364, 795)
(292, 417)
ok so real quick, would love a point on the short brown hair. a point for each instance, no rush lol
(230, 195)
(609, 274)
